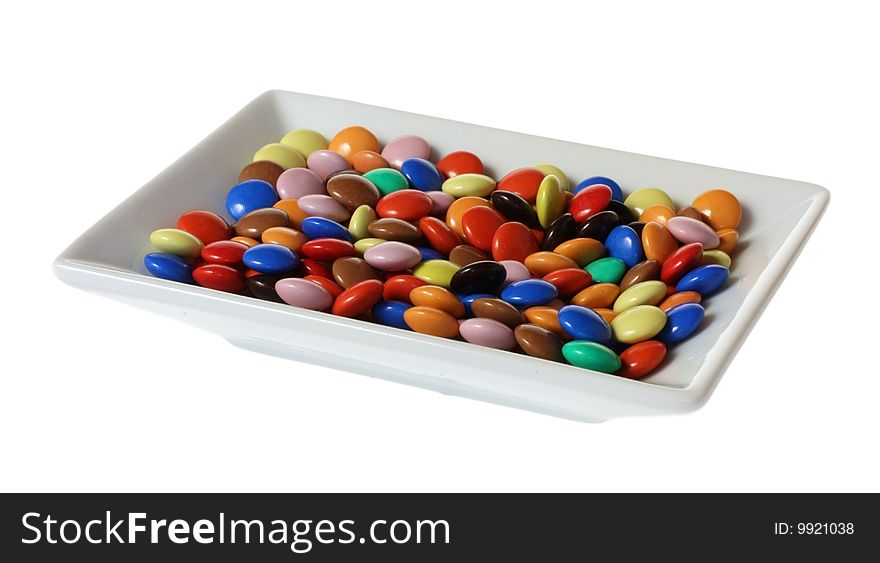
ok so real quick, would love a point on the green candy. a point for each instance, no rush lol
(606, 270)
(591, 355)
(387, 180)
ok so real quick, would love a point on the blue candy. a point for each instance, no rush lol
(422, 174)
(319, 227)
(705, 280)
(390, 313)
(430, 254)
(168, 267)
(616, 192)
(623, 243)
(681, 321)
(248, 196)
(468, 300)
(582, 323)
(528, 293)
(270, 259)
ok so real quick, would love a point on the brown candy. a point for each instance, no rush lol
(690, 211)
(351, 270)
(254, 223)
(538, 342)
(497, 310)
(465, 254)
(264, 170)
(390, 228)
(643, 271)
(352, 190)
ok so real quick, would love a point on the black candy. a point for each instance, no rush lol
(637, 226)
(485, 276)
(263, 287)
(598, 226)
(559, 231)
(515, 208)
(623, 213)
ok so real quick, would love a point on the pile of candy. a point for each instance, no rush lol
(527, 263)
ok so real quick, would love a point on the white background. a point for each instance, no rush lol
(98, 98)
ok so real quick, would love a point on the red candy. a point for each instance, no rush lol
(641, 359)
(357, 299)
(226, 252)
(206, 226)
(589, 201)
(399, 287)
(314, 268)
(523, 181)
(569, 281)
(681, 262)
(328, 249)
(460, 162)
(439, 235)
(409, 205)
(513, 241)
(220, 277)
(479, 225)
(333, 288)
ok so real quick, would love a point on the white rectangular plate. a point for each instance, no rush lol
(779, 217)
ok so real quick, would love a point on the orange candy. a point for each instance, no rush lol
(542, 263)
(658, 213)
(728, 238)
(720, 208)
(247, 241)
(657, 242)
(285, 236)
(438, 298)
(352, 140)
(606, 314)
(365, 160)
(546, 318)
(679, 298)
(599, 296)
(581, 250)
(427, 320)
(295, 215)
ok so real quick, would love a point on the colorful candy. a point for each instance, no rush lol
(589, 276)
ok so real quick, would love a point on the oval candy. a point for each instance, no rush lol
(625, 244)
(391, 228)
(364, 161)
(523, 181)
(487, 332)
(479, 225)
(220, 278)
(441, 203)
(206, 226)
(681, 322)
(657, 213)
(262, 286)
(393, 256)
(351, 270)
(538, 342)
(705, 280)
(569, 281)
(436, 272)
(422, 174)
(168, 267)
(465, 254)
(399, 288)
(485, 276)
(303, 293)
(715, 256)
(681, 262)
(353, 139)
(295, 215)
(516, 271)
(720, 208)
(283, 155)
(469, 185)
(550, 201)
(458, 208)
(401, 149)
(651, 292)
(439, 235)
(353, 190)
(427, 320)
(599, 226)
(582, 323)
(641, 272)
(328, 249)
(438, 298)
(513, 241)
(727, 239)
(226, 252)
(357, 299)
(657, 242)
(387, 180)
(547, 318)
(553, 170)
(514, 208)
(544, 262)
(270, 259)
(528, 293)
(679, 298)
(589, 201)
(391, 313)
(176, 241)
(591, 355)
(305, 141)
(261, 170)
(641, 359)
(248, 196)
(688, 230)
(408, 205)
(285, 236)
(638, 323)
(497, 309)
(640, 200)
(616, 192)
(323, 206)
(606, 270)
(600, 295)
(256, 222)
(460, 162)
(320, 227)
(297, 182)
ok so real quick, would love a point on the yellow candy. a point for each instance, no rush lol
(644, 198)
(283, 155)
(305, 141)
(645, 293)
(176, 242)
(464, 185)
(556, 171)
(436, 272)
(715, 256)
(550, 203)
(360, 220)
(364, 244)
(638, 324)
